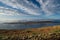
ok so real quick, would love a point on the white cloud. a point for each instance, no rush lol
(30, 8)
(10, 12)
(50, 7)
(44, 7)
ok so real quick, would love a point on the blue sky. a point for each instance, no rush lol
(29, 9)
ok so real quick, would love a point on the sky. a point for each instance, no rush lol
(29, 9)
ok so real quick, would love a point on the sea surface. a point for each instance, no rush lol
(25, 26)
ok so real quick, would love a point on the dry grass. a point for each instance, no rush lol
(44, 33)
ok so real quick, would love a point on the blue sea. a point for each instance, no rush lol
(25, 26)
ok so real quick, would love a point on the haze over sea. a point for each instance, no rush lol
(28, 24)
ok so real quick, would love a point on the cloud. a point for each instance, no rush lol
(10, 12)
(50, 7)
(24, 5)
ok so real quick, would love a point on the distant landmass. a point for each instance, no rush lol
(32, 22)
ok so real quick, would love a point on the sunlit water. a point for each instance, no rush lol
(25, 26)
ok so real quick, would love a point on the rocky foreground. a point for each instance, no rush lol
(45, 33)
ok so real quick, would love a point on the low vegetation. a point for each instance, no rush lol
(45, 33)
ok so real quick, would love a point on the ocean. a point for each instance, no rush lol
(25, 26)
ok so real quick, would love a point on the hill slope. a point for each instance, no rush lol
(45, 33)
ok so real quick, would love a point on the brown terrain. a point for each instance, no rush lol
(44, 33)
